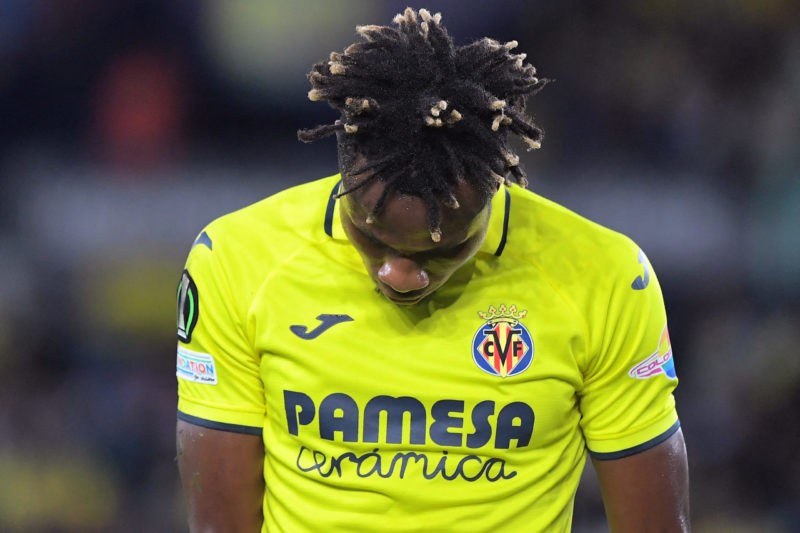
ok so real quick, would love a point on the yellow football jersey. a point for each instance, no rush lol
(470, 411)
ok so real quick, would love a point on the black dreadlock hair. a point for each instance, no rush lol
(418, 113)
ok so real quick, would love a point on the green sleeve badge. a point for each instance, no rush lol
(188, 307)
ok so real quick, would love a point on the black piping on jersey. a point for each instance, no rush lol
(329, 210)
(506, 214)
(210, 424)
(328, 223)
(637, 449)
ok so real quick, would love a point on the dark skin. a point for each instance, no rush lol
(649, 491)
(397, 249)
(222, 477)
(221, 472)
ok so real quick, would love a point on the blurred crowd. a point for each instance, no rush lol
(126, 126)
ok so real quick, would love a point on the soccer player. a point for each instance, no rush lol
(419, 343)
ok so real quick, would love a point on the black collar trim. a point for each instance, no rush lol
(328, 223)
(331, 209)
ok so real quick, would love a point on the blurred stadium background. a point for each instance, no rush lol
(126, 126)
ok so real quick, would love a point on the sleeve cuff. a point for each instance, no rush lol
(221, 426)
(655, 441)
(204, 413)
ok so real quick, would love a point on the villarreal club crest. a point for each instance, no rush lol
(502, 345)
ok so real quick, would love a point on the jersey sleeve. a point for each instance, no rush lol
(626, 402)
(219, 383)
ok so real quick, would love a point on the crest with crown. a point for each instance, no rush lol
(509, 315)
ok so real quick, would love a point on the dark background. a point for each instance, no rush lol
(126, 126)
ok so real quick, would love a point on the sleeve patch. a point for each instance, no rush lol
(188, 307)
(659, 362)
(196, 366)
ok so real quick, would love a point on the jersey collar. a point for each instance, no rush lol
(495, 240)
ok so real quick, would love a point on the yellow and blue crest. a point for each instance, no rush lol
(502, 345)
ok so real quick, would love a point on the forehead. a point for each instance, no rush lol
(404, 221)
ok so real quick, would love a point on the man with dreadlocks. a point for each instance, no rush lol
(419, 343)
